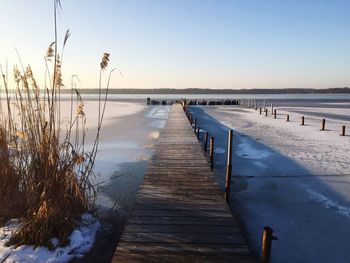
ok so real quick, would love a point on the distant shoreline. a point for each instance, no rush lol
(219, 91)
(194, 91)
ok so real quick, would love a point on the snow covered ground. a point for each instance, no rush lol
(81, 241)
(293, 178)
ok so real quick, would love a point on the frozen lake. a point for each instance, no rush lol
(293, 178)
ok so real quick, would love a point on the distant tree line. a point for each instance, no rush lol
(221, 91)
(212, 91)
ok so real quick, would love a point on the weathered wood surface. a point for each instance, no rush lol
(180, 214)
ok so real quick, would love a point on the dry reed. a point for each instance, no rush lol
(45, 170)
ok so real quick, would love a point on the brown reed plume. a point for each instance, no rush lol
(45, 170)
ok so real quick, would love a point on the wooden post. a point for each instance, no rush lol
(260, 111)
(271, 108)
(287, 117)
(198, 132)
(302, 120)
(275, 114)
(266, 245)
(195, 125)
(266, 112)
(343, 131)
(211, 153)
(206, 141)
(228, 167)
(191, 118)
(323, 124)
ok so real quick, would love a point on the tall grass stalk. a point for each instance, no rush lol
(45, 170)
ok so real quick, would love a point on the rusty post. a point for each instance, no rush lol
(323, 124)
(206, 141)
(275, 114)
(211, 153)
(343, 131)
(266, 245)
(228, 167)
(302, 120)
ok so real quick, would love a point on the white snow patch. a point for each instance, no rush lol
(219, 150)
(259, 164)
(228, 124)
(328, 203)
(158, 112)
(81, 241)
(321, 152)
(247, 150)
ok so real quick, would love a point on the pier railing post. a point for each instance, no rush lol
(275, 114)
(302, 120)
(228, 167)
(323, 124)
(267, 244)
(343, 131)
(195, 126)
(206, 134)
(211, 156)
(197, 132)
(260, 111)
(266, 112)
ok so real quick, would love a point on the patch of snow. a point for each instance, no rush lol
(158, 112)
(321, 152)
(259, 164)
(328, 203)
(228, 124)
(219, 150)
(247, 150)
(81, 241)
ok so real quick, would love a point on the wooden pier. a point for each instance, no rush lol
(180, 214)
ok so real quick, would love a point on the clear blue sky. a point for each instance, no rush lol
(188, 43)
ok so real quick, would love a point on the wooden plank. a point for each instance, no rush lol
(179, 214)
(182, 213)
(176, 258)
(182, 238)
(182, 206)
(182, 248)
(131, 228)
(167, 220)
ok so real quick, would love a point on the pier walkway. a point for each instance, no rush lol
(180, 214)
